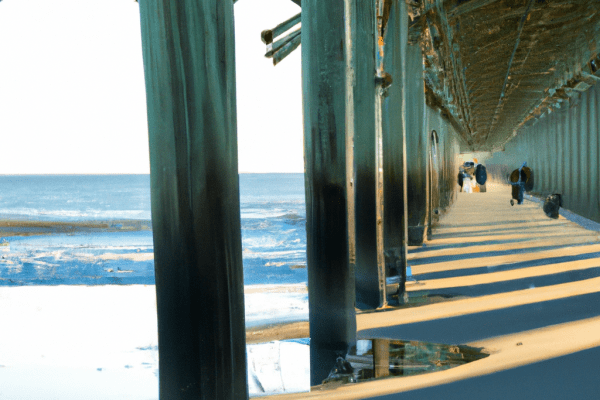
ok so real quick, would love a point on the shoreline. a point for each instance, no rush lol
(27, 227)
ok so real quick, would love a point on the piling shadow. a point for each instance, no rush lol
(505, 267)
(478, 326)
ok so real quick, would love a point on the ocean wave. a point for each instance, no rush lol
(300, 253)
(256, 224)
(70, 214)
(271, 242)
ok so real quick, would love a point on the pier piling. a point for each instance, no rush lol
(190, 90)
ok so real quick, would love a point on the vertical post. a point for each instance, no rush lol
(331, 291)
(416, 142)
(189, 65)
(362, 50)
(394, 144)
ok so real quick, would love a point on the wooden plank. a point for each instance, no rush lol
(276, 46)
(287, 49)
(330, 279)
(269, 35)
(191, 100)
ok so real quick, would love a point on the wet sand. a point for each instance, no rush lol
(9, 227)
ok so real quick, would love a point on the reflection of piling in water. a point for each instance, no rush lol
(381, 357)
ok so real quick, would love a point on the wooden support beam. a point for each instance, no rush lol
(276, 46)
(365, 174)
(416, 144)
(394, 145)
(287, 49)
(330, 279)
(268, 35)
(191, 100)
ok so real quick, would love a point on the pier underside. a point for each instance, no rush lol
(392, 92)
(523, 287)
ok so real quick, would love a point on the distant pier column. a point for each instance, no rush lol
(394, 144)
(331, 292)
(370, 292)
(417, 145)
(189, 64)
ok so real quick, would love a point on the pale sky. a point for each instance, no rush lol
(72, 96)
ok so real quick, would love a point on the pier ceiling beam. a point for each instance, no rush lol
(191, 103)
(506, 55)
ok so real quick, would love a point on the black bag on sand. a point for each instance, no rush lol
(480, 174)
(552, 204)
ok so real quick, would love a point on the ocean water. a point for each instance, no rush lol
(272, 216)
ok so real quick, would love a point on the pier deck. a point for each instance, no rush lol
(522, 286)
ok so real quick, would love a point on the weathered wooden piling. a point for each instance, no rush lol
(416, 141)
(188, 49)
(362, 109)
(433, 197)
(331, 291)
(394, 144)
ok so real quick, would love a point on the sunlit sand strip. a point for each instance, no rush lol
(536, 345)
(476, 305)
(482, 262)
(559, 233)
(543, 242)
(524, 228)
(516, 225)
(449, 221)
(503, 276)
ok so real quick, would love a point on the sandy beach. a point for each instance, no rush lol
(58, 342)
(523, 288)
